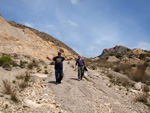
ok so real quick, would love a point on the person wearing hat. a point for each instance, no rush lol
(58, 67)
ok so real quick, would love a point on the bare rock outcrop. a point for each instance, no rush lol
(116, 49)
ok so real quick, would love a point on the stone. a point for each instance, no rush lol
(112, 59)
(147, 71)
(39, 75)
(138, 86)
(31, 104)
(35, 79)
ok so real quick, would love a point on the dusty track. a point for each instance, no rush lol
(91, 95)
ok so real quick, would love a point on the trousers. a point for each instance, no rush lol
(80, 72)
(58, 75)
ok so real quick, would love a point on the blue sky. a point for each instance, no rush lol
(87, 26)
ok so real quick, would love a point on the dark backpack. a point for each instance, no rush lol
(81, 60)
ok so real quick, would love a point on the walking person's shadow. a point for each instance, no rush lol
(73, 78)
(52, 82)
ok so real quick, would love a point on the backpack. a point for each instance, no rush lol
(81, 60)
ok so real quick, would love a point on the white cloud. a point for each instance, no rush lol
(74, 1)
(29, 24)
(143, 45)
(72, 23)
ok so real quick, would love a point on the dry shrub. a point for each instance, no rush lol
(6, 87)
(93, 67)
(120, 81)
(125, 68)
(139, 75)
(52, 63)
(27, 77)
(6, 66)
(117, 69)
(32, 64)
(20, 77)
(72, 66)
(14, 96)
(142, 98)
(146, 88)
(23, 85)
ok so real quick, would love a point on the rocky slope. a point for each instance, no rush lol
(94, 94)
(22, 40)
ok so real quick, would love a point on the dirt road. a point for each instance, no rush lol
(91, 95)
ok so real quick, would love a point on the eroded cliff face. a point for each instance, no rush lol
(26, 42)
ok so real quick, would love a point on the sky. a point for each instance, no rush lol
(87, 26)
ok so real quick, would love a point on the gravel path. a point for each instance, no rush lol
(91, 95)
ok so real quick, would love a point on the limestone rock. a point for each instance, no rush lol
(31, 104)
(112, 59)
(138, 86)
(147, 71)
(116, 49)
(40, 75)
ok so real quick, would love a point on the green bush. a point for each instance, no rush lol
(133, 65)
(22, 64)
(46, 72)
(118, 55)
(142, 56)
(5, 59)
(27, 77)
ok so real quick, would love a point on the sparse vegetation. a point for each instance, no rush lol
(14, 81)
(143, 98)
(14, 96)
(133, 65)
(32, 64)
(52, 63)
(6, 66)
(5, 59)
(23, 85)
(7, 89)
(46, 72)
(20, 77)
(27, 77)
(22, 64)
(142, 56)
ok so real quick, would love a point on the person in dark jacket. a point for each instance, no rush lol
(80, 63)
(58, 67)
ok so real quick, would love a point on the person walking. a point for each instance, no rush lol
(58, 67)
(80, 63)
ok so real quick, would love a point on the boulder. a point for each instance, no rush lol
(112, 59)
(147, 71)
(138, 86)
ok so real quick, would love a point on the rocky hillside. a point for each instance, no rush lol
(22, 40)
(116, 49)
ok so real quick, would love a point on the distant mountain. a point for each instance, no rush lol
(22, 40)
(116, 49)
